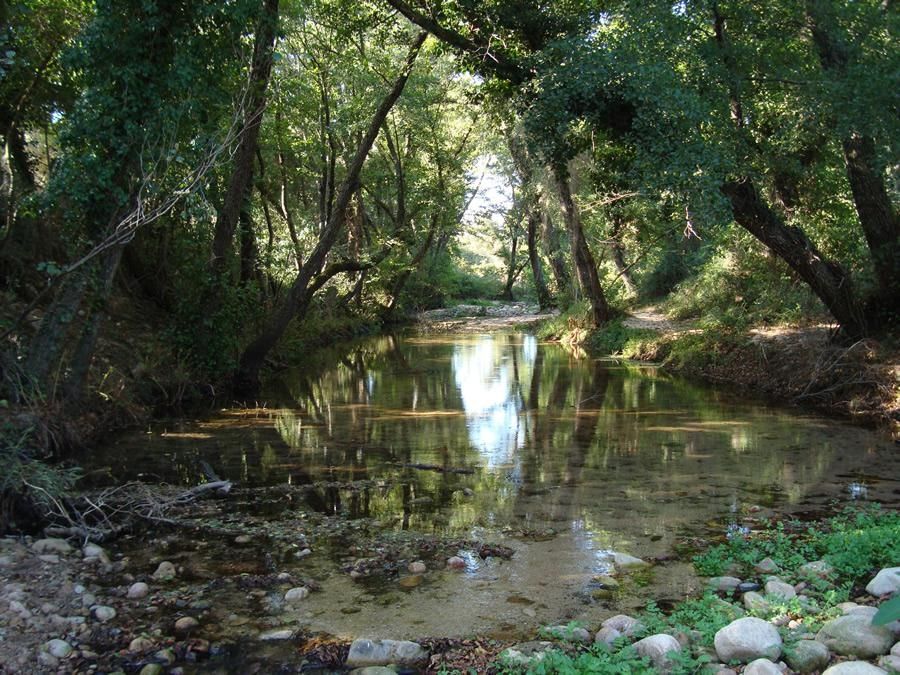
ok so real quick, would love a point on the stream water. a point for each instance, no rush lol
(420, 447)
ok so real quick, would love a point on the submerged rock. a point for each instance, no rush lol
(746, 640)
(624, 561)
(276, 634)
(456, 563)
(186, 624)
(383, 652)
(103, 613)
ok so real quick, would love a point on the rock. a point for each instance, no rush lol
(417, 567)
(623, 561)
(607, 635)
(569, 633)
(243, 539)
(659, 649)
(47, 659)
(847, 607)
(411, 581)
(165, 571)
(141, 644)
(746, 640)
(152, 669)
(166, 655)
(886, 582)
(277, 634)
(302, 554)
(606, 581)
(779, 588)
(103, 613)
(456, 563)
(890, 663)
(51, 545)
(88, 599)
(854, 668)
(895, 650)
(51, 558)
(623, 623)
(755, 602)
(724, 584)
(297, 594)
(383, 652)
(807, 656)
(138, 590)
(854, 634)
(92, 552)
(766, 566)
(59, 648)
(817, 569)
(526, 653)
(185, 625)
(762, 667)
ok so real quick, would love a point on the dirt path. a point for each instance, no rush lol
(651, 318)
(481, 319)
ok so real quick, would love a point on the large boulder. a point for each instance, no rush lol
(886, 582)
(807, 656)
(746, 640)
(762, 667)
(383, 652)
(854, 668)
(659, 649)
(854, 634)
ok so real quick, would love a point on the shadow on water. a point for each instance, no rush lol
(410, 448)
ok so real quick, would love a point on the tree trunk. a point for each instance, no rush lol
(545, 301)
(511, 269)
(585, 266)
(246, 378)
(618, 255)
(828, 280)
(260, 69)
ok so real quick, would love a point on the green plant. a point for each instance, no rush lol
(887, 612)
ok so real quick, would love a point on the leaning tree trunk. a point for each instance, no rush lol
(618, 255)
(552, 241)
(585, 266)
(246, 377)
(828, 280)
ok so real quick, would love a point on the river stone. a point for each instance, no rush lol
(103, 613)
(659, 649)
(526, 653)
(296, 594)
(747, 586)
(854, 634)
(807, 656)
(276, 634)
(382, 652)
(817, 569)
(623, 623)
(607, 635)
(762, 667)
(411, 582)
(781, 589)
(165, 571)
(51, 545)
(887, 581)
(854, 668)
(891, 663)
(895, 650)
(59, 648)
(624, 561)
(766, 566)
(186, 624)
(373, 670)
(456, 563)
(94, 552)
(417, 567)
(746, 640)
(724, 584)
(152, 669)
(141, 644)
(755, 602)
(243, 539)
(572, 634)
(138, 590)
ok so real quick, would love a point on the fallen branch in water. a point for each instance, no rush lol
(436, 467)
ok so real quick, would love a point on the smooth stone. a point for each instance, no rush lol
(854, 668)
(456, 563)
(659, 649)
(165, 571)
(724, 584)
(817, 569)
(411, 581)
(186, 624)
(59, 648)
(141, 644)
(52, 545)
(891, 663)
(103, 613)
(755, 602)
(886, 582)
(623, 623)
(92, 551)
(762, 667)
(895, 650)
(607, 635)
(276, 634)
(152, 669)
(296, 594)
(167, 655)
(571, 634)
(781, 589)
(526, 653)
(766, 566)
(51, 558)
(847, 607)
(243, 539)
(746, 640)
(625, 561)
(854, 634)
(138, 590)
(607, 581)
(383, 652)
(807, 656)
(373, 670)
(417, 567)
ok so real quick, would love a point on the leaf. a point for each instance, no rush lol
(887, 612)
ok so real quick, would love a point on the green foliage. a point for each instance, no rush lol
(599, 661)
(888, 612)
(706, 615)
(617, 339)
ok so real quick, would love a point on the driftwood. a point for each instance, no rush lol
(441, 469)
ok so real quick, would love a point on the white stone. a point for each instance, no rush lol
(607, 635)
(186, 624)
(895, 650)
(779, 588)
(296, 594)
(138, 590)
(383, 652)
(51, 545)
(886, 582)
(141, 644)
(724, 584)
(762, 667)
(624, 561)
(854, 668)
(165, 571)
(417, 567)
(623, 623)
(746, 640)
(103, 613)
(659, 649)
(891, 663)
(277, 634)
(59, 648)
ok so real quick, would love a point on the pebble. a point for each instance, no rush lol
(103, 613)
(243, 539)
(815, 569)
(571, 634)
(746, 640)
(526, 653)
(277, 634)
(417, 567)
(141, 644)
(456, 563)
(165, 571)
(411, 581)
(296, 594)
(138, 590)
(59, 648)
(186, 624)
(152, 669)
(93, 553)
